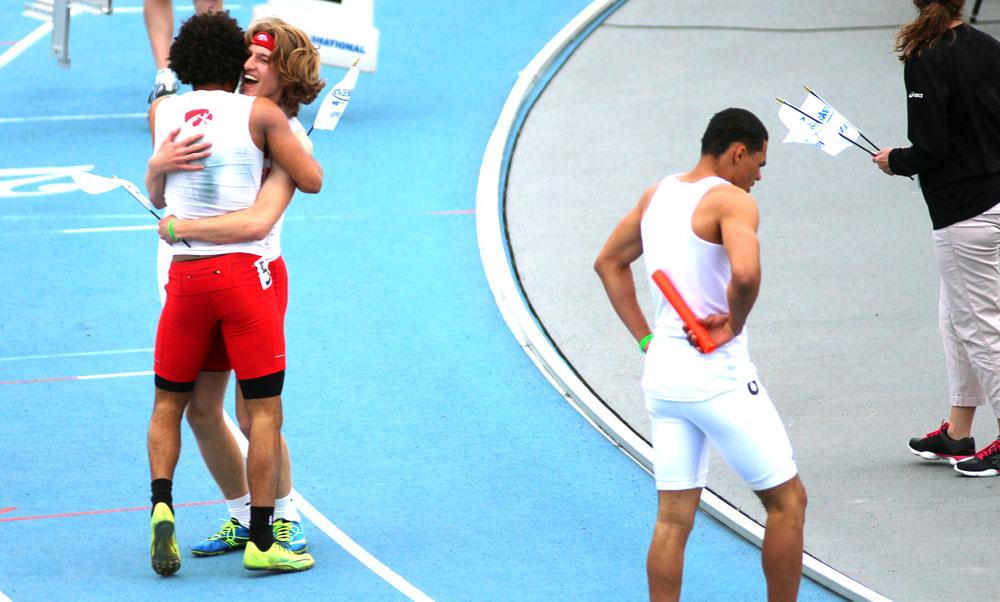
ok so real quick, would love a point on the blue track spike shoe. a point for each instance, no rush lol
(937, 445)
(231, 536)
(163, 545)
(275, 558)
(289, 535)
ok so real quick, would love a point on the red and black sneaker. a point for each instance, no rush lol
(986, 462)
(937, 445)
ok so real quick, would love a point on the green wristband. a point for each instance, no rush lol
(644, 343)
(170, 230)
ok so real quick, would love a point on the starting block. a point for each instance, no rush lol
(343, 30)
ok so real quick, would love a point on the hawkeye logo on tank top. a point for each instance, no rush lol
(197, 117)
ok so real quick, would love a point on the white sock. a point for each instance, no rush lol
(284, 507)
(239, 509)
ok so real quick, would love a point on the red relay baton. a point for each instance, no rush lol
(701, 336)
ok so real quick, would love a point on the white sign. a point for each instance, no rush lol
(344, 31)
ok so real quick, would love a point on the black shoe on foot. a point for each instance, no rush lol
(937, 445)
(986, 462)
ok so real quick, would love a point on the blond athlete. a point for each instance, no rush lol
(221, 288)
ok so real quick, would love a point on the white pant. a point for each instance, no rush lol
(742, 424)
(968, 257)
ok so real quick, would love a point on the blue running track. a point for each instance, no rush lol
(417, 425)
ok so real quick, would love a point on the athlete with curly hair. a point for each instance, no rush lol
(220, 288)
(284, 67)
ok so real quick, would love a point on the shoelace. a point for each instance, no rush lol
(283, 531)
(228, 531)
(989, 450)
(944, 427)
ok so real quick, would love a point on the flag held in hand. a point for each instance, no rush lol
(335, 102)
(95, 184)
(817, 123)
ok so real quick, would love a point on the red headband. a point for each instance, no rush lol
(262, 38)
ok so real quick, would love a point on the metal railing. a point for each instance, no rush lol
(58, 11)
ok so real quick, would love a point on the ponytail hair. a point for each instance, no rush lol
(932, 24)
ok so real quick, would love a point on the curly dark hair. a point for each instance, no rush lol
(209, 49)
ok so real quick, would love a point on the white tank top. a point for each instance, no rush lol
(233, 170)
(272, 242)
(700, 270)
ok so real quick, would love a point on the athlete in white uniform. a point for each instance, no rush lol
(284, 67)
(733, 409)
(700, 228)
(229, 292)
(231, 174)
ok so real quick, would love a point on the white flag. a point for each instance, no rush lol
(801, 129)
(835, 128)
(827, 129)
(335, 102)
(95, 184)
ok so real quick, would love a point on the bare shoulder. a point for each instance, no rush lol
(730, 197)
(646, 197)
(157, 102)
(152, 110)
(266, 110)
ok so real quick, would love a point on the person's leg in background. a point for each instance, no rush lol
(288, 529)
(968, 255)
(159, 18)
(222, 456)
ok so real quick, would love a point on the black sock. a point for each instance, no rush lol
(260, 527)
(162, 489)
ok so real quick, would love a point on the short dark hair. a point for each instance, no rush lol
(209, 49)
(733, 125)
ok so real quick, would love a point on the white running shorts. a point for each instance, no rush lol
(742, 424)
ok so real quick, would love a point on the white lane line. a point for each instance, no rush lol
(52, 379)
(116, 375)
(90, 117)
(45, 28)
(107, 229)
(182, 7)
(24, 43)
(64, 216)
(43, 171)
(46, 356)
(342, 539)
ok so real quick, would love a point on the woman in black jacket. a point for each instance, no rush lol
(952, 76)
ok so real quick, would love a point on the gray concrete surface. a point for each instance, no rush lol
(845, 330)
